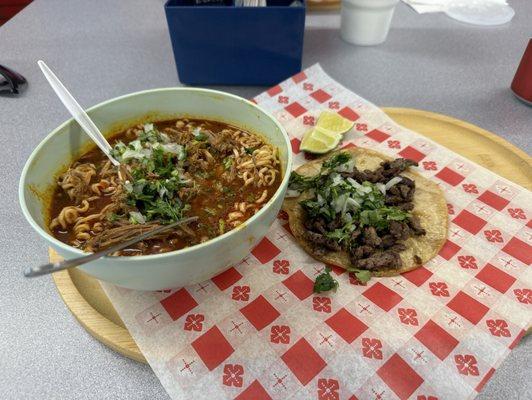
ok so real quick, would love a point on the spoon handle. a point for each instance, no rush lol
(31, 272)
(77, 111)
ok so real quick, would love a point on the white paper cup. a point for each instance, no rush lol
(366, 22)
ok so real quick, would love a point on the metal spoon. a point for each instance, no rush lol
(65, 264)
(77, 112)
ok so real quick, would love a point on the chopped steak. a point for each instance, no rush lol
(406, 206)
(401, 193)
(386, 171)
(387, 241)
(399, 230)
(415, 226)
(380, 260)
(379, 220)
(395, 167)
(316, 225)
(371, 238)
(360, 252)
(321, 241)
(355, 234)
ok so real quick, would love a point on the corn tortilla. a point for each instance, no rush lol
(429, 206)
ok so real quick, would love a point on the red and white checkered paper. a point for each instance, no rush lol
(257, 331)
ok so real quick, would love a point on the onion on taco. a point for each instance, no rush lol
(366, 212)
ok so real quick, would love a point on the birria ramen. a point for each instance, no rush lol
(169, 170)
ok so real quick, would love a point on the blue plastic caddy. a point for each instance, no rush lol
(220, 44)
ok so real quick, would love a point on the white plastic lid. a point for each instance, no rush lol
(481, 12)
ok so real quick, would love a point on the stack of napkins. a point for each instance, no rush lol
(428, 6)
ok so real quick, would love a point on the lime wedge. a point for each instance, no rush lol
(334, 122)
(319, 141)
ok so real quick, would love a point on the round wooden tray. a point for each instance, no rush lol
(92, 308)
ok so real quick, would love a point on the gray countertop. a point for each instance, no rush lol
(102, 49)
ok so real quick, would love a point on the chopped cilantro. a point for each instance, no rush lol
(112, 217)
(301, 183)
(200, 137)
(341, 234)
(336, 160)
(362, 275)
(325, 282)
(250, 150)
(228, 161)
(381, 217)
(156, 178)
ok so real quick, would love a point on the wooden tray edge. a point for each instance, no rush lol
(466, 125)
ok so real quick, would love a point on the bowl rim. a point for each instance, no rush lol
(122, 259)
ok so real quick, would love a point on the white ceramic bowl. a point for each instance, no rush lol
(177, 268)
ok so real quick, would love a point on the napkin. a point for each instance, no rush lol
(430, 6)
(257, 331)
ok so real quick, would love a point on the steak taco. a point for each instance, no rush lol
(366, 212)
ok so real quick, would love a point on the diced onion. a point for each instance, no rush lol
(148, 127)
(336, 180)
(164, 137)
(346, 167)
(196, 132)
(138, 154)
(381, 187)
(162, 191)
(354, 183)
(339, 203)
(173, 148)
(128, 186)
(137, 217)
(365, 189)
(136, 145)
(392, 182)
(352, 203)
(292, 193)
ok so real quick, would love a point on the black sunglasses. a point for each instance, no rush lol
(11, 82)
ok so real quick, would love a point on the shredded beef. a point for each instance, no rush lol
(223, 142)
